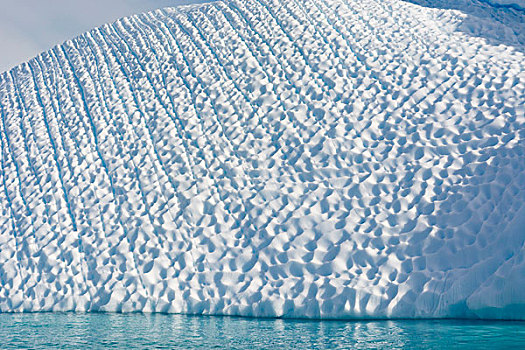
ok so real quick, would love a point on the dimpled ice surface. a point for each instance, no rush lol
(317, 159)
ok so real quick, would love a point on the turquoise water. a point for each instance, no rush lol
(124, 331)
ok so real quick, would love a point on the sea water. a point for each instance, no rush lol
(146, 331)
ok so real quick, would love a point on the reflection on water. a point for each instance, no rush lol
(122, 331)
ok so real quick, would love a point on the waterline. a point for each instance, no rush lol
(123, 331)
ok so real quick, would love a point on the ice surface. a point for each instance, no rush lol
(316, 159)
(517, 4)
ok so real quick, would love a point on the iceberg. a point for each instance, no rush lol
(269, 158)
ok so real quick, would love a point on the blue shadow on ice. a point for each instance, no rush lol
(498, 24)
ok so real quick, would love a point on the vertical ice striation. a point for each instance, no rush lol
(318, 158)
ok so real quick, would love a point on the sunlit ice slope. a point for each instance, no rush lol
(318, 159)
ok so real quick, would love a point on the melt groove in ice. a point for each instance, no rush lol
(319, 159)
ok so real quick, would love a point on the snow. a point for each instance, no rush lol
(317, 159)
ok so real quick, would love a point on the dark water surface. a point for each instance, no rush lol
(144, 331)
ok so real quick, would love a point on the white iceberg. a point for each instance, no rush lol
(318, 159)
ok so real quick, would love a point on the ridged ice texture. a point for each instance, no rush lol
(298, 158)
(516, 4)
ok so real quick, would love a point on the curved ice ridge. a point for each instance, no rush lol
(514, 4)
(318, 159)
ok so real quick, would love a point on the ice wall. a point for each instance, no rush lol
(268, 158)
